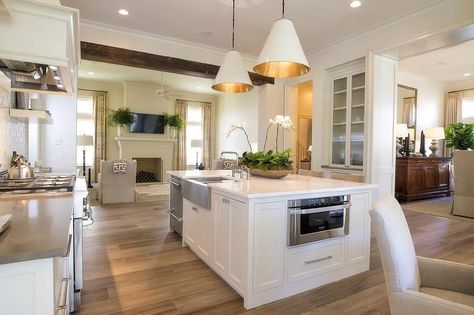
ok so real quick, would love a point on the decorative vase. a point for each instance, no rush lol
(275, 174)
(119, 131)
(172, 133)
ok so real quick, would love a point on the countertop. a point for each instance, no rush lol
(198, 173)
(39, 227)
(258, 187)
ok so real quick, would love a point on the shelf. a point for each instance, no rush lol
(358, 88)
(339, 108)
(358, 105)
(340, 92)
(357, 122)
(339, 124)
(338, 141)
(357, 140)
(38, 116)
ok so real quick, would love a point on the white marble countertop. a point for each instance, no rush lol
(198, 173)
(258, 187)
(39, 227)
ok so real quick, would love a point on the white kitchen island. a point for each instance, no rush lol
(244, 236)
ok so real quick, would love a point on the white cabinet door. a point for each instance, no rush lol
(269, 244)
(221, 210)
(203, 232)
(358, 241)
(190, 222)
(238, 243)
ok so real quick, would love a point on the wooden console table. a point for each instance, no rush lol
(419, 178)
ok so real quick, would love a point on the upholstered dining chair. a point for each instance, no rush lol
(418, 285)
(117, 188)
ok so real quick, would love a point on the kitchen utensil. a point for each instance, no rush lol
(21, 169)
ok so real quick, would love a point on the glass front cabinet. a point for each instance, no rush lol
(348, 113)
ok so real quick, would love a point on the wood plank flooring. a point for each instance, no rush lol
(133, 265)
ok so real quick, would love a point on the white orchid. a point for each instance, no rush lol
(279, 121)
(239, 126)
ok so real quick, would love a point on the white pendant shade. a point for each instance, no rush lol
(282, 55)
(232, 76)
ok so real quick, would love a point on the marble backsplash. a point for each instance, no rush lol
(13, 132)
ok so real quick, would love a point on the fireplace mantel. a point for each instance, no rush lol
(143, 139)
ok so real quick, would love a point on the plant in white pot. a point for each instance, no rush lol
(119, 118)
(461, 137)
(271, 164)
(175, 123)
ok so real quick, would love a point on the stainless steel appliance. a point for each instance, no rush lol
(176, 205)
(316, 219)
(38, 184)
(21, 169)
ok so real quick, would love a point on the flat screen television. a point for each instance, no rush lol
(147, 123)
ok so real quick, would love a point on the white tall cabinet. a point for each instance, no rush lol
(348, 104)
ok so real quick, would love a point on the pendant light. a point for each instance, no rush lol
(232, 76)
(282, 55)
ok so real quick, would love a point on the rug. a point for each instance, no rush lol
(438, 206)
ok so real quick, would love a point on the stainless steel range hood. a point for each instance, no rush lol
(33, 77)
(40, 46)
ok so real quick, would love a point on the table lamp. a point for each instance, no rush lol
(401, 132)
(196, 143)
(85, 141)
(435, 134)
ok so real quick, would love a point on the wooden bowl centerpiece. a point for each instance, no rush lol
(268, 164)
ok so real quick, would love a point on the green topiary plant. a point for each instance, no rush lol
(267, 160)
(174, 121)
(122, 116)
(460, 136)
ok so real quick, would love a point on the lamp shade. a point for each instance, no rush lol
(84, 140)
(282, 55)
(232, 76)
(401, 130)
(436, 133)
(310, 148)
(411, 132)
(196, 143)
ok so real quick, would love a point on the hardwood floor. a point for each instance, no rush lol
(133, 265)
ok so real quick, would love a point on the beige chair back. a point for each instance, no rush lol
(464, 182)
(396, 246)
(117, 188)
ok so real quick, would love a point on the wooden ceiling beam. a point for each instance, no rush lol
(138, 59)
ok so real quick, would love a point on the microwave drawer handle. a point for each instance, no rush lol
(345, 205)
(175, 184)
(174, 215)
(312, 261)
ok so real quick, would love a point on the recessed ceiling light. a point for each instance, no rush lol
(355, 4)
(207, 34)
(123, 12)
(199, 87)
(90, 73)
(467, 74)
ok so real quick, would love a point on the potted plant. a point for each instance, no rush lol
(120, 117)
(271, 164)
(460, 136)
(174, 122)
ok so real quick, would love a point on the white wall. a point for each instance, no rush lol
(430, 102)
(231, 109)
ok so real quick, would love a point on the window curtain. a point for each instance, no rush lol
(100, 109)
(179, 161)
(453, 113)
(207, 154)
(409, 111)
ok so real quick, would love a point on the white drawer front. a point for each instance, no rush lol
(315, 259)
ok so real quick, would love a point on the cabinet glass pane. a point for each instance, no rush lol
(357, 153)
(357, 132)
(358, 97)
(357, 114)
(358, 80)
(340, 85)
(339, 116)
(340, 100)
(338, 144)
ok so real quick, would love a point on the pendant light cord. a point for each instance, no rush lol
(233, 24)
(283, 9)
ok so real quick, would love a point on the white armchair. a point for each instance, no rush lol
(418, 285)
(117, 188)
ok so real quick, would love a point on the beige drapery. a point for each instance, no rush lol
(179, 160)
(409, 110)
(207, 154)
(100, 111)
(453, 112)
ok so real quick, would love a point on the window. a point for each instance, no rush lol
(85, 126)
(194, 134)
(467, 110)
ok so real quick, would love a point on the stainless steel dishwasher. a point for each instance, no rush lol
(176, 205)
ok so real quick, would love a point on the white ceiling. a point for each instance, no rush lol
(446, 65)
(171, 81)
(319, 23)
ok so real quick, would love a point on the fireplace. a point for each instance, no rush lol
(149, 170)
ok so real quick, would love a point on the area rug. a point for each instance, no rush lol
(438, 206)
